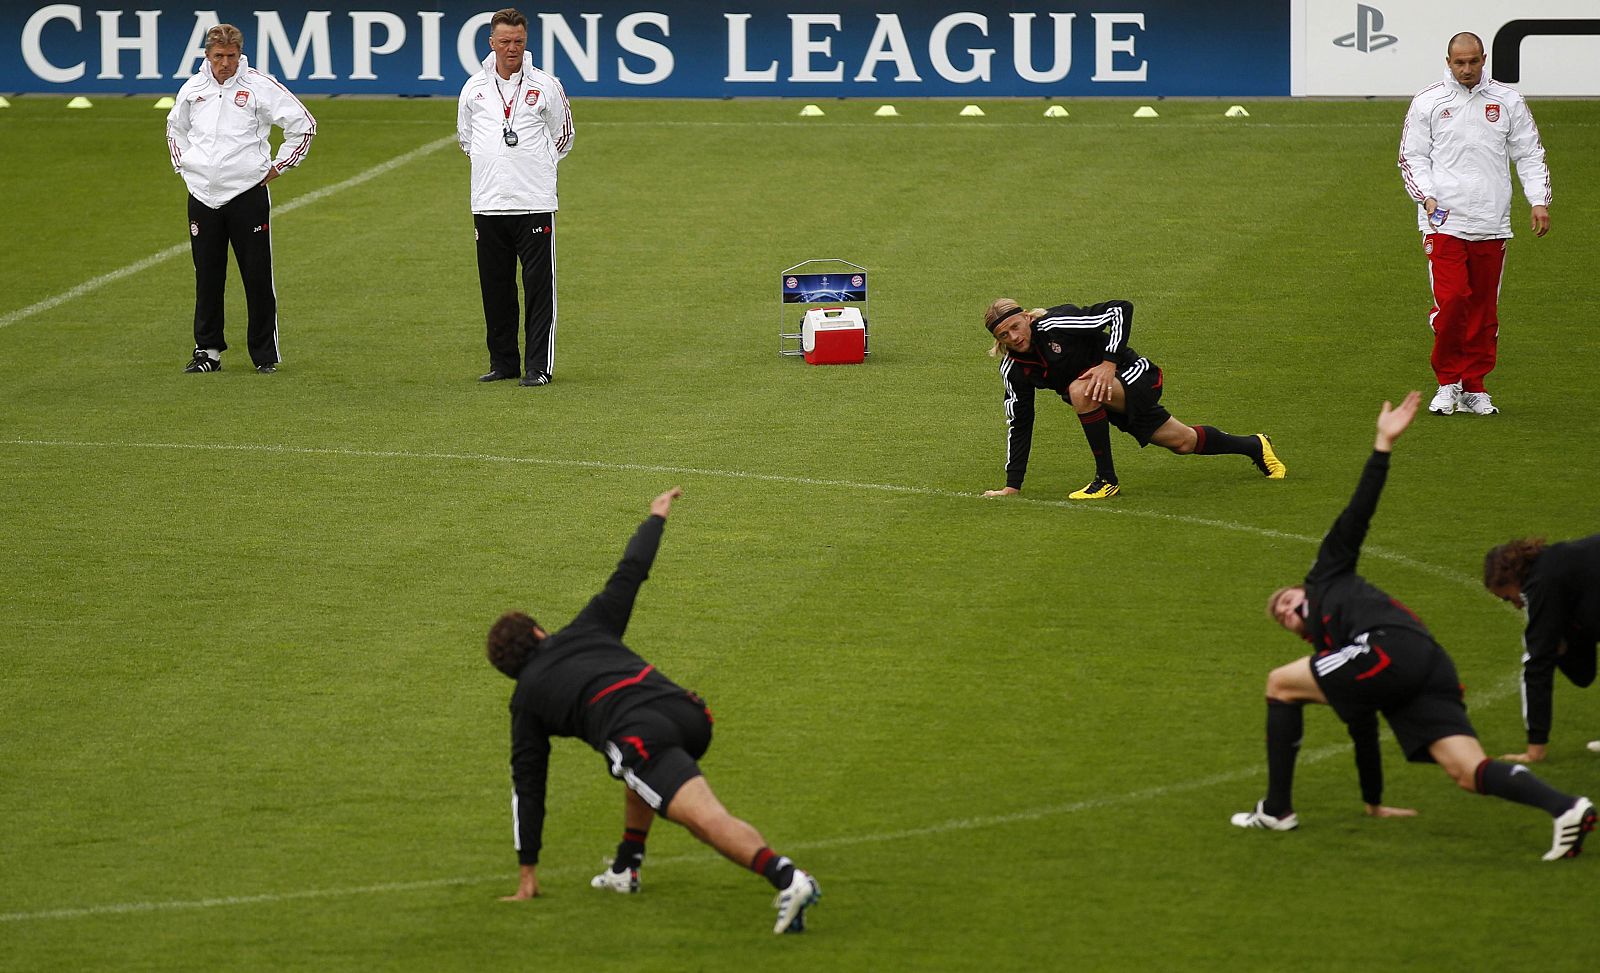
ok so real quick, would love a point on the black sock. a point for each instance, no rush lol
(1514, 782)
(1097, 430)
(1211, 441)
(630, 850)
(1285, 727)
(774, 867)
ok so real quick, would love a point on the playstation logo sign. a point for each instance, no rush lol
(1367, 37)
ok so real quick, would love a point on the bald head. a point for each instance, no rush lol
(1464, 58)
(1467, 41)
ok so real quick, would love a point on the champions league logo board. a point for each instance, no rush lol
(824, 288)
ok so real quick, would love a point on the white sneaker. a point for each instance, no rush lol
(802, 893)
(1594, 746)
(1446, 399)
(627, 883)
(1572, 826)
(1477, 403)
(1261, 819)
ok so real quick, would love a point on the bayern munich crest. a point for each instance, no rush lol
(791, 283)
(1491, 112)
(240, 98)
(532, 98)
(856, 281)
(194, 228)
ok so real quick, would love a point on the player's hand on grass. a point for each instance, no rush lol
(1532, 755)
(1383, 811)
(662, 505)
(527, 885)
(1002, 492)
(1393, 420)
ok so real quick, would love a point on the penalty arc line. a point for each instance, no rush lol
(1269, 533)
(95, 283)
(840, 841)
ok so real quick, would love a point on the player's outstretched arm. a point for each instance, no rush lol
(1393, 420)
(1384, 811)
(1002, 492)
(662, 505)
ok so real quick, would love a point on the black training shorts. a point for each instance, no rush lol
(1141, 386)
(654, 749)
(1402, 674)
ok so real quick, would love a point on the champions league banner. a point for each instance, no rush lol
(677, 48)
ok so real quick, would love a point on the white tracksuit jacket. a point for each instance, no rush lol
(1457, 146)
(217, 133)
(515, 179)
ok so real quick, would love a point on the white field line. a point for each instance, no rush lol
(140, 266)
(840, 841)
(1104, 509)
(506, 878)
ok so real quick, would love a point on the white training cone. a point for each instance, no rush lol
(1237, 111)
(80, 102)
(1055, 111)
(887, 111)
(972, 111)
(4, 103)
(810, 111)
(1145, 111)
(163, 103)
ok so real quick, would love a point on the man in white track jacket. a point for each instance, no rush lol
(1460, 138)
(514, 123)
(217, 134)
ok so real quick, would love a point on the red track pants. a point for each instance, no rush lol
(1465, 275)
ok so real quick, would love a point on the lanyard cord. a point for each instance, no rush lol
(511, 105)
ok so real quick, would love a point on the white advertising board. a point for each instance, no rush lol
(1348, 48)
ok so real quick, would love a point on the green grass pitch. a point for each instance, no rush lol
(246, 719)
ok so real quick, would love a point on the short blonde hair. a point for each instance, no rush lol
(1272, 601)
(224, 35)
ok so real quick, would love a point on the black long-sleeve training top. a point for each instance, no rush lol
(1562, 592)
(1068, 341)
(1343, 604)
(581, 682)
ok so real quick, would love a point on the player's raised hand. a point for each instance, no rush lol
(1393, 420)
(662, 505)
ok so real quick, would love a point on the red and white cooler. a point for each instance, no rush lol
(833, 336)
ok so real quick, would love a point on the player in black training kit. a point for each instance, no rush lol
(1082, 354)
(1371, 655)
(1559, 585)
(583, 682)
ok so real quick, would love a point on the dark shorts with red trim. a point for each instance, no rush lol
(1141, 384)
(1405, 676)
(654, 750)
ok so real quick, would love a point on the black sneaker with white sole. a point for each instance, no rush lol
(202, 362)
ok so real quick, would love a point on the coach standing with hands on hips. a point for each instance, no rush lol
(514, 123)
(217, 135)
(1460, 138)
